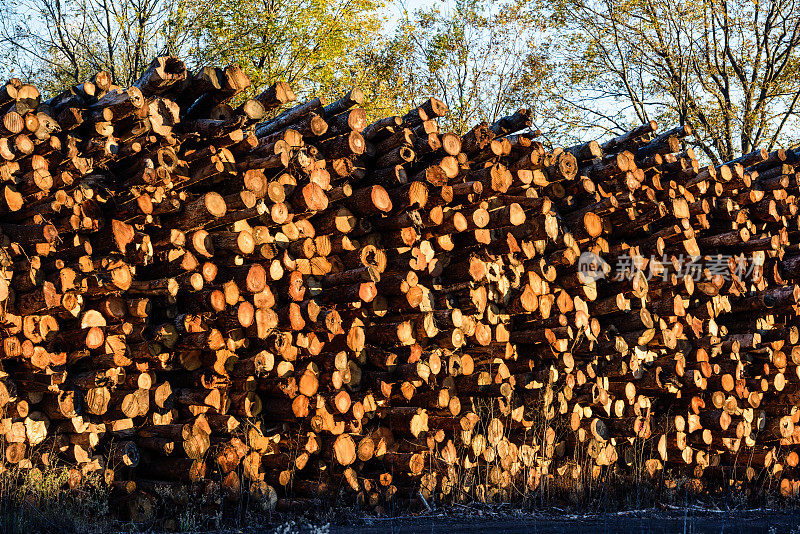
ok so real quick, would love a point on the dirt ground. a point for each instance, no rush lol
(643, 522)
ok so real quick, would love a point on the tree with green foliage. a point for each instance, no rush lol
(317, 46)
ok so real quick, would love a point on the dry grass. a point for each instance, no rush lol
(40, 500)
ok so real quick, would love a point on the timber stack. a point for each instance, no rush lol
(278, 302)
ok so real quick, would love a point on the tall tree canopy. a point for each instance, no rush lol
(730, 69)
(62, 42)
(478, 57)
(315, 45)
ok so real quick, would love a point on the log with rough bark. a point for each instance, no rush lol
(290, 298)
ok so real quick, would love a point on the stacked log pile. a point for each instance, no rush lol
(276, 300)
